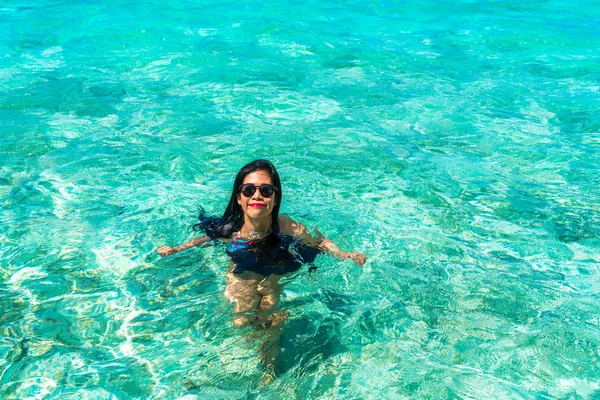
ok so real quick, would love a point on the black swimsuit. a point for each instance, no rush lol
(275, 254)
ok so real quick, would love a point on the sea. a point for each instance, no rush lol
(454, 143)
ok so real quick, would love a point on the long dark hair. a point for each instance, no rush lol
(233, 218)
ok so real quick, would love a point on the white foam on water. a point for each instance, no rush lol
(7, 74)
(161, 62)
(67, 126)
(112, 259)
(52, 50)
(297, 108)
(580, 386)
(25, 274)
(126, 314)
(46, 62)
(350, 75)
(289, 49)
(36, 388)
(67, 191)
(270, 103)
(584, 253)
(109, 121)
(426, 54)
(77, 362)
(483, 386)
(65, 188)
(504, 227)
(296, 50)
(194, 90)
(155, 70)
(418, 332)
(94, 394)
(204, 32)
(148, 117)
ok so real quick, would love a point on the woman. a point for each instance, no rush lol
(263, 245)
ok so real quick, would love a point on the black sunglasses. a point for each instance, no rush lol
(249, 189)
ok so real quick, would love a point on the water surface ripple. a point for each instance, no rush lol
(455, 143)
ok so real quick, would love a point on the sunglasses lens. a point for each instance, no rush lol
(267, 190)
(248, 190)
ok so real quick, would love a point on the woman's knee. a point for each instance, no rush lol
(270, 295)
(268, 302)
(241, 321)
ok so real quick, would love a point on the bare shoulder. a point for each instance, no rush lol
(285, 223)
(285, 219)
(288, 226)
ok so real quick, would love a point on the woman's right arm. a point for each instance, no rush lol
(168, 250)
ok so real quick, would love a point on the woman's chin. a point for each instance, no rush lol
(257, 212)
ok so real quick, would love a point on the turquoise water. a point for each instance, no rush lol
(455, 143)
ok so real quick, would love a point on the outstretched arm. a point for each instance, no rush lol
(167, 250)
(288, 226)
(329, 247)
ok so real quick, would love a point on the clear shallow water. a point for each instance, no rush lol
(454, 143)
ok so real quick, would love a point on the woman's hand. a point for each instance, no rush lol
(166, 251)
(358, 258)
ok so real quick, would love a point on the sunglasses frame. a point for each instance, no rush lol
(259, 189)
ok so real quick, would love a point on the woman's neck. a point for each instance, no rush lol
(256, 226)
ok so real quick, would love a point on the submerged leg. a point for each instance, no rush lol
(270, 290)
(242, 290)
(255, 298)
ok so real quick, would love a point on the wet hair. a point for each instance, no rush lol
(233, 217)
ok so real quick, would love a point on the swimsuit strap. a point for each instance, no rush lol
(238, 244)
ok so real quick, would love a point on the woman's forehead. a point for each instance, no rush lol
(258, 177)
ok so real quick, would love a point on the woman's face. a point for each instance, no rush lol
(257, 206)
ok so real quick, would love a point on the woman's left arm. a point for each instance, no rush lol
(288, 226)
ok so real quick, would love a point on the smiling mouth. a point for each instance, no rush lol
(256, 205)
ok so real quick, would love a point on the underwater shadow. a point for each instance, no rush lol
(309, 340)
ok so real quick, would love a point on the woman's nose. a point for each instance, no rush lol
(257, 195)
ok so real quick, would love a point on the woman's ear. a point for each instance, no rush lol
(239, 199)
